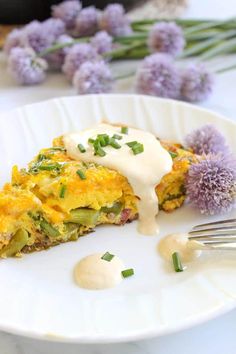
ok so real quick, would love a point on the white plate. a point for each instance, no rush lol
(38, 297)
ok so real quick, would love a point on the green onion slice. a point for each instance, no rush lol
(62, 191)
(57, 148)
(81, 174)
(103, 139)
(114, 143)
(132, 143)
(117, 137)
(49, 167)
(107, 256)
(99, 151)
(138, 149)
(81, 148)
(91, 141)
(173, 154)
(41, 157)
(124, 130)
(177, 262)
(127, 272)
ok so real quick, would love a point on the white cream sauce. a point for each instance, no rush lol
(95, 273)
(143, 171)
(187, 250)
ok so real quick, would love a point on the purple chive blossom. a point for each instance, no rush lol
(25, 67)
(93, 78)
(56, 59)
(114, 21)
(13, 39)
(197, 83)
(55, 27)
(102, 42)
(166, 37)
(87, 22)
(35, 36)
(77, 55)
(158, 76)
(67, 11)
(211, 184)
(207, 140)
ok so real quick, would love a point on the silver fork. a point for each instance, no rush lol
(219, 235)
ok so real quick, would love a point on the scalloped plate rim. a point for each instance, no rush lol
(137, 334)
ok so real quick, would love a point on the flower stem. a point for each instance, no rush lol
(131, 38)
(221, 48)
(184, 22)
(207, 43)
(58, 46)
(137, 53)
(123, 51)
(202, 35)
(207, 25)
(205, 38)
(227, 68)
(125, 75)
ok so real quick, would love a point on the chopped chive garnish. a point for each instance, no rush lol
(41, 157)
(137, 149)
(132, 143)
(103, 139)
(114, 144)
(107, 256)
(81, 174)
(173, 154)
(33, 170)
(62, 191)
(48, 167)
(106, 137)
(58, 148)
(91, 141)
(124, 130)
(117, 136)
(177, 262)
(81, 148)
(98, 150)
(127, 273)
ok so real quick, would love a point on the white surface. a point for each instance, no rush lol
(216, 336)
(142, 306)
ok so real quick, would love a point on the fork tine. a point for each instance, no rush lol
(218, 242)
(213, 238)
(219, 222)
(225, 230)
(220, 246)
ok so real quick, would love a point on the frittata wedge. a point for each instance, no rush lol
(58, 199)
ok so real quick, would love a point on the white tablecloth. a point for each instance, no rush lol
(216, 336)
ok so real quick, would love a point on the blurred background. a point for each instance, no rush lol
(23, 11)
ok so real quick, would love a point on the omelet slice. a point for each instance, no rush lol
(57, 199)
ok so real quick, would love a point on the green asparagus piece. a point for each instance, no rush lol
(83, 216)
(48, 229)
(72, 231)
(115, 208)
(18, 241)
